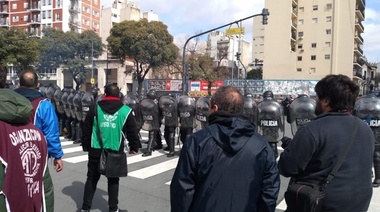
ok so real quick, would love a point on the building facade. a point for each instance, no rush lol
(311, 39)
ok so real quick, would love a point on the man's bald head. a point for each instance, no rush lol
(29, 79)
(228, 99)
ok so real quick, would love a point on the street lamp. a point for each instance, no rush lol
(264, 13)
(92, 63)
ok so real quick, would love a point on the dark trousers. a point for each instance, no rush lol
(90, 187)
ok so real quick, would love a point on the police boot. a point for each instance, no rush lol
(376, 166)
(170, 142)
(274, 147)
(149, 149)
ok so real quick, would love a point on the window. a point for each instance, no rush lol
(314, 20)
(15, 18)
(26, 5)
(43, 2)
(49, 2)
(299, 69)
(327, 57)
(312, 70)
(300, 22)
(301, 9)
(26, 18)
(49, 14)
(300, 34)
(328, 19)
(315, 7)
(328, 6)
(14, 6)
(58, 3)
(313, 45)
(300, 46)
(299, 58)
(328, 44)
(313, 57)
(328, 31)
(57, 17)
(43, 14)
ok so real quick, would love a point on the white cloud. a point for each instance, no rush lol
(371, 34)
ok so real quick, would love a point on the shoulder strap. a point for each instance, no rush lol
(341, 156)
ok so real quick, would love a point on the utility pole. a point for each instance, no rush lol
(92, 63)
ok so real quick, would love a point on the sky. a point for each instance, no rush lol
(187, 18)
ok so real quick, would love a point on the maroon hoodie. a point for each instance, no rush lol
(23, 152)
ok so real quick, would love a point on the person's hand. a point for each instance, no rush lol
(58, 164)
(285, 141)
(84, 148)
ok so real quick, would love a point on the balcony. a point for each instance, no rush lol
(294, 13)
(294, 25)
(74, 10)
(34, 21)
(361, 2)
(35, 8)
(358, 38)
(360, 13)
(358, 50)
(4, 23)
(4, 11)
(359, 26)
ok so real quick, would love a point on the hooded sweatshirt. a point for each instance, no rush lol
(226, 166)
(24, 179)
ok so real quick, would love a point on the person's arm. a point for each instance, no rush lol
(132, 132)
(297, 154)
(271, 182)
(47, 121)
(182, 186)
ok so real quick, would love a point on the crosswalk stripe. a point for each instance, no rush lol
(66, 143)
(139, 158)
(72, 149)
(76, 159)
(282, 205)
(154, 170)
(168, 183)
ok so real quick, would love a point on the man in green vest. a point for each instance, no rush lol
(113, 120)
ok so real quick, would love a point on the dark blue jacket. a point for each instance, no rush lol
(45, 119)
(226, 166)
(314, 150)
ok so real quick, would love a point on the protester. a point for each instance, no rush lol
(25, 182)
(314, 150)
(226, 166)
(43, 116)
(115, 119)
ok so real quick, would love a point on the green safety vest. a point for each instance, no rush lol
(110, 126)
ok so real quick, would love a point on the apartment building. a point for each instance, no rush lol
(217, 41)
(35, 15)
(310, 39)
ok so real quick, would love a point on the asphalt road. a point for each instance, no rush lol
(146, 189)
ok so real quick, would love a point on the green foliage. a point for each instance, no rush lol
(72, 50)
(18, 48)
(149, 44)
(255, 73)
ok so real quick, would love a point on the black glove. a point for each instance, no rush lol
(285, 141)
(84, 148)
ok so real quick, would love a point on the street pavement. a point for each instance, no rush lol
(146, 189)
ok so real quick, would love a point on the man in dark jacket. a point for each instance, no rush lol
(115, 119)
(314, 150)
(25, 181)
(226, 166)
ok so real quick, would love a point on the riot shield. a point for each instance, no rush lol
(270, 121)
(87, 101)
(250, 108)
(168, 106)
(186, 111)
(58, 101)
(150, 115)
(133, 102)
(202, 108)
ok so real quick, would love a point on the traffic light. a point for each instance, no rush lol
(188, 70)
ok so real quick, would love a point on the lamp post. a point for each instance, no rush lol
(92, 63)
(264, 13)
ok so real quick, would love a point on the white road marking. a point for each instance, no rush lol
(155, 169)
(72, 149)
(76, 159)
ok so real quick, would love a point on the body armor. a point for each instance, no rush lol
(77, 103)
(250, 108)
(301, 112)
(151, 122)
(59, 108)
(133, 102)
(367, 108)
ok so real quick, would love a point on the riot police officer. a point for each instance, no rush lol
(250, 108)
(301, 111)
(367, 108)
(73, 120)
(186, 112)
(66, 107)
(202, 108)
(133, 102)
(77, 103)
(59, 108)
(270, 120)
(168, 106)
(151, 120)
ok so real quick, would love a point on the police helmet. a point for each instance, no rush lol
(268, 94)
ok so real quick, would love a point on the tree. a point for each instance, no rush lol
(18, 48)
(202, 67)
(149, 44)
(72, 50)
(255, 73)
